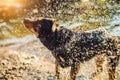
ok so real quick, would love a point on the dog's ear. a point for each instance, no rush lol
(55, 25)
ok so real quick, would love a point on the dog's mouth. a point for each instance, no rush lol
(29, 25)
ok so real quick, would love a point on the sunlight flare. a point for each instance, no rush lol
(8, 3)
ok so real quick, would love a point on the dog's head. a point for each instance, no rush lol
(41, 27)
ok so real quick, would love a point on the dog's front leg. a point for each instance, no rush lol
(57, 66)
(74, 70)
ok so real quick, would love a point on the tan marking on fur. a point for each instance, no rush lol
(33, 31)
(29, 27)
(62, 59)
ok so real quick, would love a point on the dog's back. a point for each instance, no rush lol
(73, 46)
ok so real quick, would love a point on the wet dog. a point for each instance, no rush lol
(71, 48)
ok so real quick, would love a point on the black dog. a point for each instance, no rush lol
(71, 48)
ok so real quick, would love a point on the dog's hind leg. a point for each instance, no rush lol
(99, 60)
(74, 70)
(112, 64)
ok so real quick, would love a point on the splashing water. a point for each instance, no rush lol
(28, 43)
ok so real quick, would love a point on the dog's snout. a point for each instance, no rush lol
(25, 21)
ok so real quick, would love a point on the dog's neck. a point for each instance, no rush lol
(57, 38)
(48, 40)
(63, 36)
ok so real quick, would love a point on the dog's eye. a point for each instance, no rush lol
(41, 36)
(38, 25)
(37, 28)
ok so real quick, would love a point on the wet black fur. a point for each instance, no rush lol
(70, 48)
